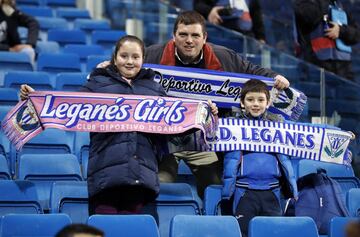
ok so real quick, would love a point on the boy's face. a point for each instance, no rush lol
(255, 103)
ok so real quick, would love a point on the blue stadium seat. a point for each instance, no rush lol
(353, 202)
(106, 38)
(61, 3)
(234, 44)
(47, 47)
(90, 24)
(37, 11)
(48, 142)
(4, 142)
(25, 225)
(72, 13)
(209, 226)
(18, 196)
(70, 81)
(30, 2)
(61, 62)
(337, 226)
(15, 61)
(8, 96)
(37, 80)
(132, 225)
(47, 23)
(94, 60)
(174, 199)
(282, 227)
(333, 170)
(212, 199)
(67, 36)
(4, 168)
(44, 169)
(71, 198)
(82, 141)
(83, 50)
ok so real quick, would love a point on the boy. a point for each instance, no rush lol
(252, 180)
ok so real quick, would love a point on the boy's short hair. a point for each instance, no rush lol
(189, 18)
(73, 229)
(254, 85)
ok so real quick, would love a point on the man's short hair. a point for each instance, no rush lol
(71, 230)
(254, 85)
(189, 18)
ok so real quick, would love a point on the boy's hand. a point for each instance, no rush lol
(103, 64)
(25, 90)
(281, 82)
(214, 108)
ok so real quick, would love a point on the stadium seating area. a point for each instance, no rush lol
(43, 187)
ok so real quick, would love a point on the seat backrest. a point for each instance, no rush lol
(209, 226)
(90, 24)
(18, 197)
(72, 13)
(70, 81)
(37, 80)
(47, 23)
(4, 168)
(44, 169)
(106, 38)
(24, 225)
(174, 199)
(212, 199)
(132, 225)
(71, 198)
(83, 50)
(61, 3)
(37, 11)
(60, 62)
(63, 36)
(353, 202)
(306, 166)
(8, 96)
(47, 47)
(271, 226)
(94, 60)
(337, 226)
(15, 61)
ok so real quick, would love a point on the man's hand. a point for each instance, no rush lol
(281, 82)
(333, 32)
(19, 47)
(25, 90)
(103, 64)
(214, 108)
(214, 16)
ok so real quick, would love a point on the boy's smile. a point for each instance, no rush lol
(255, 103)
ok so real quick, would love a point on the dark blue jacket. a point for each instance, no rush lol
(127, 158)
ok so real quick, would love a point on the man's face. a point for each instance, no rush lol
(189, 41)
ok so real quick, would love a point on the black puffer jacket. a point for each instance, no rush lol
(128, 158)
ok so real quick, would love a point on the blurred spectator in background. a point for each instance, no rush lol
(244, 16)
(325, 33)
(10, 20)
(353, 229)
(79, 230)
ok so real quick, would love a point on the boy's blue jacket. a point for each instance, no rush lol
(232, 164)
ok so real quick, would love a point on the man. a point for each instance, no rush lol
(10, 20)
(188, 48)
(317, 35)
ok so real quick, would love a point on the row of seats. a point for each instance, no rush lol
(71, 198)
(21, 225)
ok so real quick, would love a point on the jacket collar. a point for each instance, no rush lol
(211, 61)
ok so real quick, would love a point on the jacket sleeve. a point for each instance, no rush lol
(257, 18)
(350, 33)
(231, 166)
(309, 13)
(203, 7)
(31, 24)
(290, 176)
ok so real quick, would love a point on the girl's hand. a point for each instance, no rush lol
(214, 108)
(25, 90)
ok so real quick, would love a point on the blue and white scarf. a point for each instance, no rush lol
(224, 89)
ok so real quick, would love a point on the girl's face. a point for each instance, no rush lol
(129, 59)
